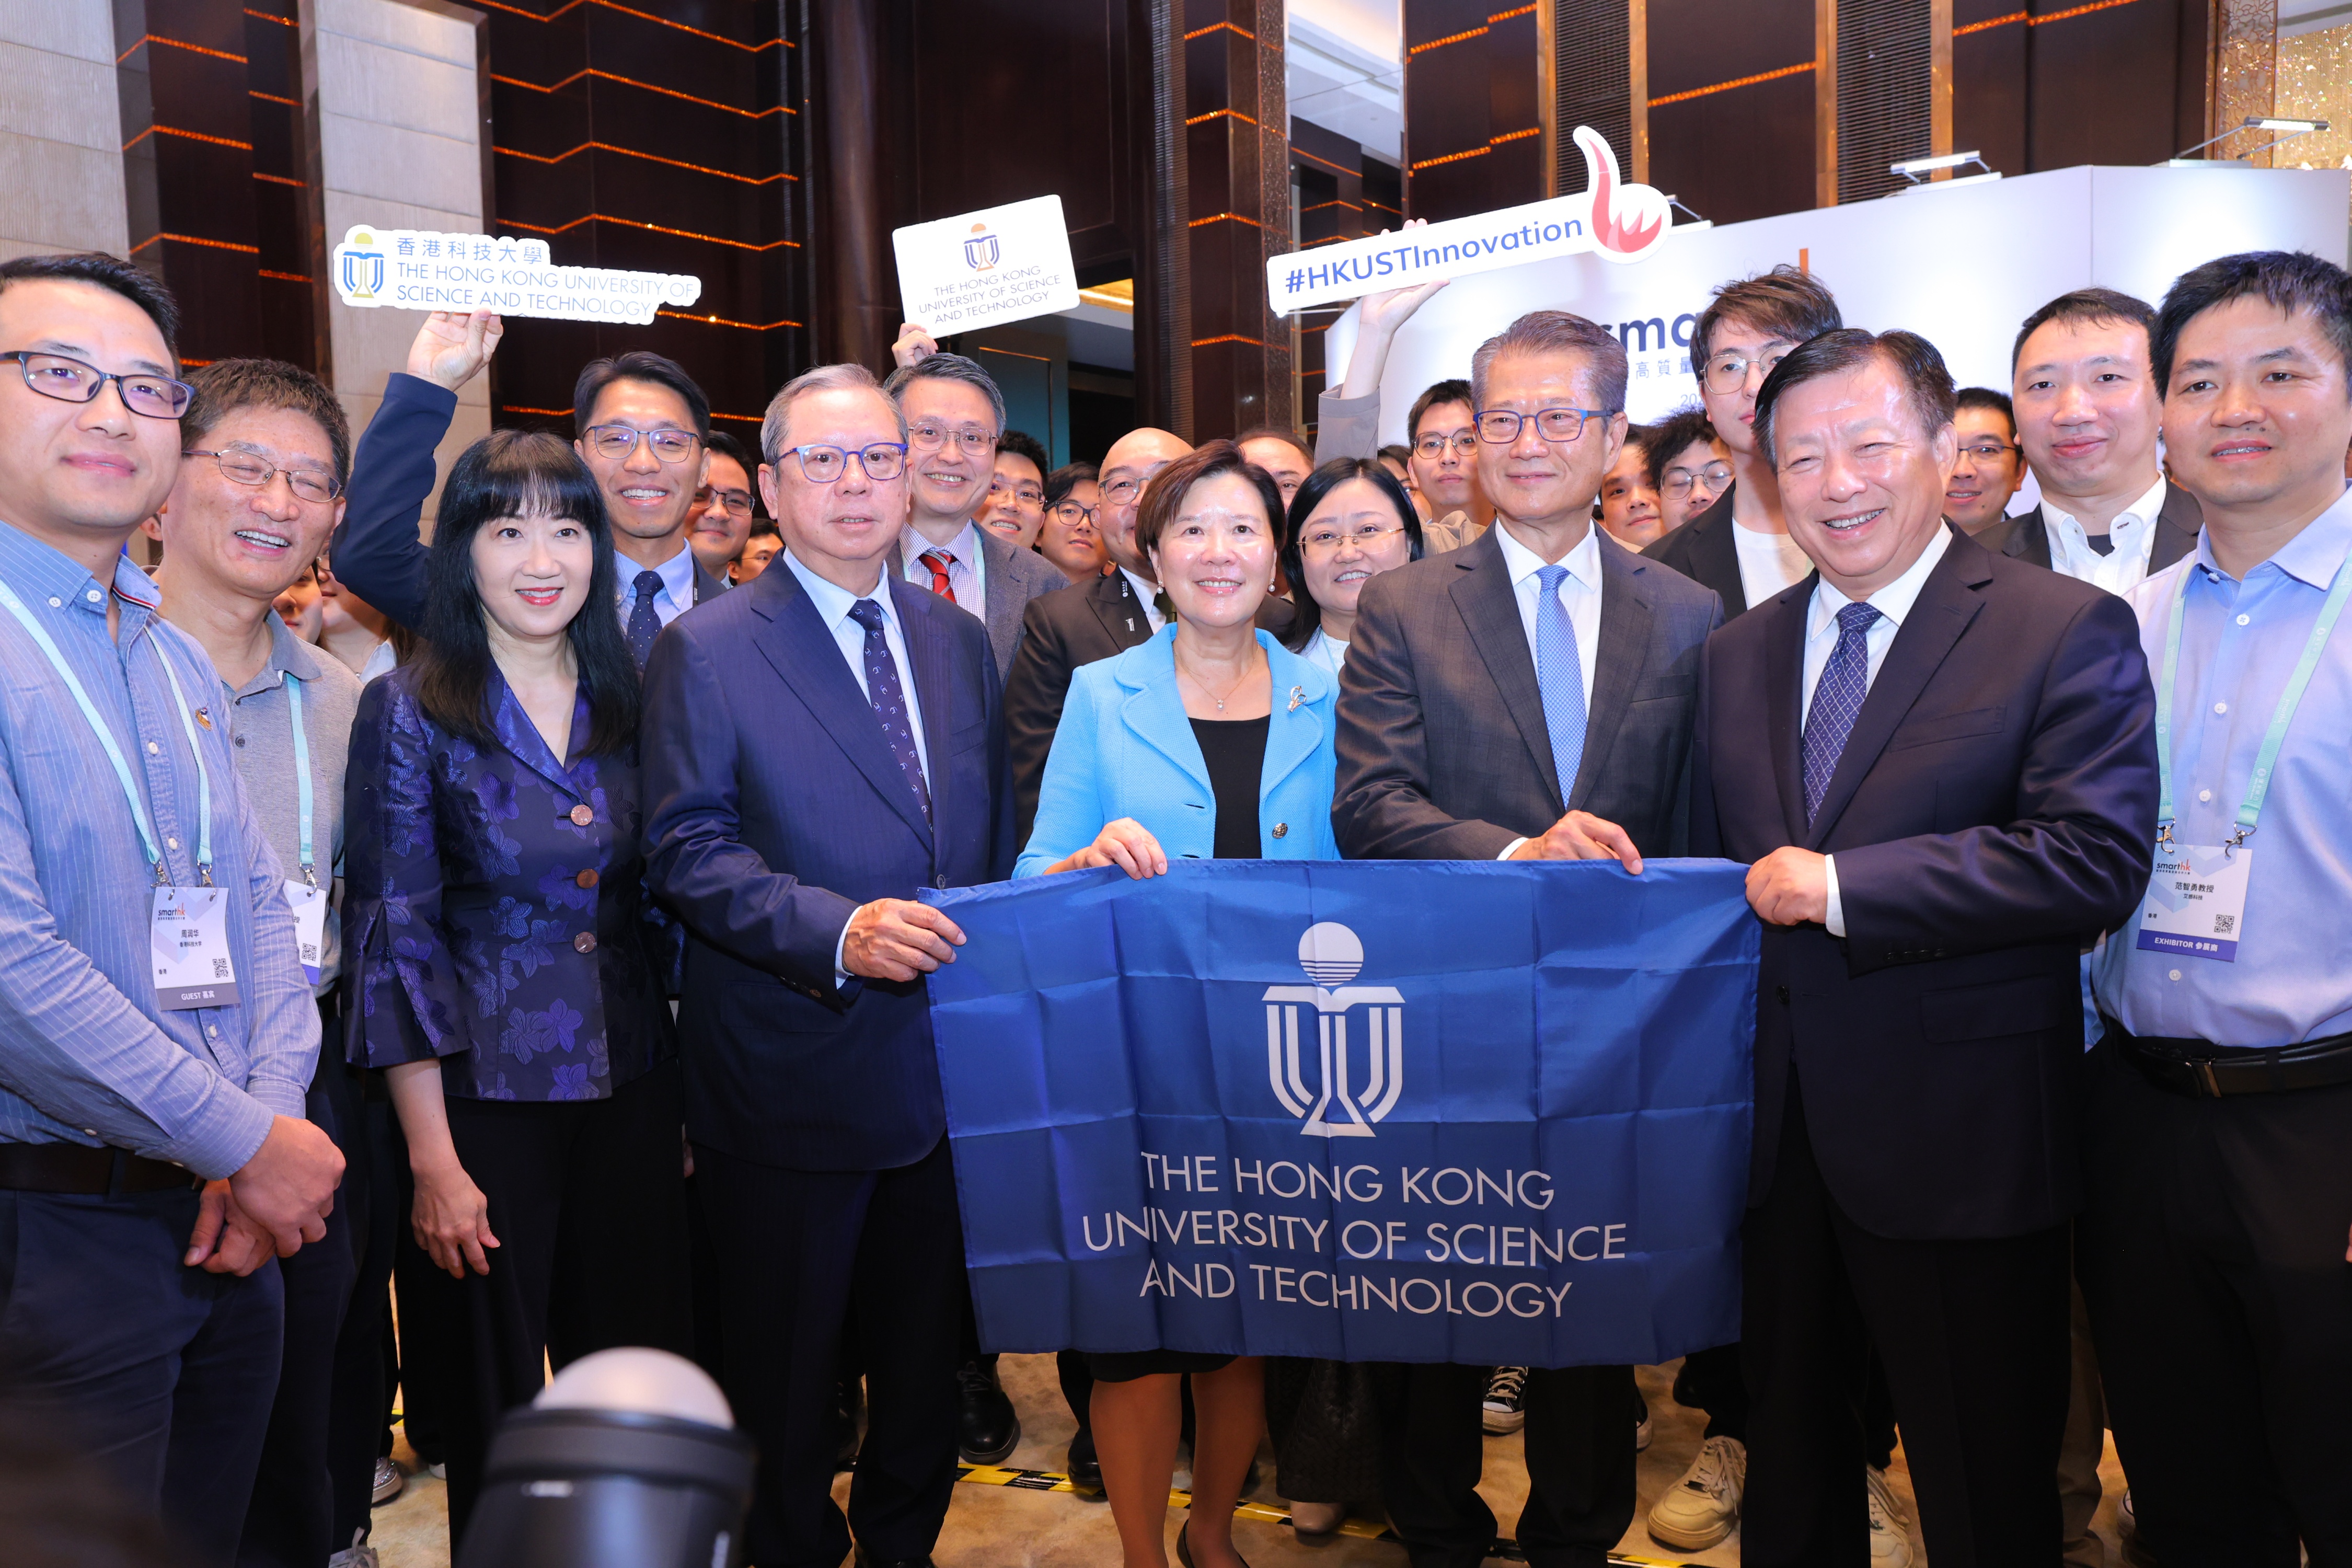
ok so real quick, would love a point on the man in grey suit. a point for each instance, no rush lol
(1530, 696)
(955, 414)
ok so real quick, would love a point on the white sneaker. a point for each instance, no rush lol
(1505, 1408)
(1702, 1508)
(358, 1554)
(1890, 1527)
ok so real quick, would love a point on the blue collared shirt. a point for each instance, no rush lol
(86, 1054)
(676, 595)
(2239, 642)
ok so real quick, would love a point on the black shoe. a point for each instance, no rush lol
(1184, 1547)
(864, 1561)
(850, 1398)
(1084, 1468)
(987, 1428)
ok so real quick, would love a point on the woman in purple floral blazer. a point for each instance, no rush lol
(509, 977)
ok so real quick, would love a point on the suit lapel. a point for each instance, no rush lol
(2030, 541)
(1489, 607)
(1114, 604)
(1154, 714)
(1947, 602)
(2177, 522)
(522, 737)
(1296, 733)
(1715, 553)
(928, 650)
(800, 647)
(1617, 662)
(1784, 690)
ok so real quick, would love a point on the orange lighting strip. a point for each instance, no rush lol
(1224, 217)
(192, 48)
(1515, 136)
(1471, 33)
(747, 418)
(652, 227)
(1227, 338)
(560, 413)
(723, 321)
(1299, 151)
(1728, 85)
(271, 97)
(285, 277)
(648, 87)
(1237, 114)
(2043, 20)
(1226, 27)
(649, 157)
(1334, 202)
(277, 179)
(641, 15)
(192, 239)
(1492, 142)
(266, 16)
(191, 135)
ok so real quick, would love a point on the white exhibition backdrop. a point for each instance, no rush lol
(1961, 265)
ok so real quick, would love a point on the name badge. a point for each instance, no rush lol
(2197, 901)
(310, 907)
(189, 943)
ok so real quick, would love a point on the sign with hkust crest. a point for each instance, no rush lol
(414, 269)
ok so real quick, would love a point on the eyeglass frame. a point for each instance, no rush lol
(269, 470)
(800, 457)
(708, 493)
(996, 488)
(1706, 371)
(1977, 450)
(1691, 477)
(988, 440)
(1444, 442)
(639, 438)
(1088, 512)
(1478, 419)
(1363, 537)
(25, 357)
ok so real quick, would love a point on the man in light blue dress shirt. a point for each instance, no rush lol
(2213, 1247)
(154, 1158)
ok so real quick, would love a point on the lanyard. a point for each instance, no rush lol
(301, 770)
(203, 775)
(40, 637)
(2266, 760)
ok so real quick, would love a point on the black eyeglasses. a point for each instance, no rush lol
(72, 381)
(250, 468)
(616, 443)
(1070, 513)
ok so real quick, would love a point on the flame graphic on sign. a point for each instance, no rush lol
(1626, 219)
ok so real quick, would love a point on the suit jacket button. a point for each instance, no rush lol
(938, 881)
(584, 942)
(581, 816)
(1282, 830)
(586, 879)
(1782, 992)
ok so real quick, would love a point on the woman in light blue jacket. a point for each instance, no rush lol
(1212, 740)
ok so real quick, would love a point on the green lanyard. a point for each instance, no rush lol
(2266, 760)
(301, 770)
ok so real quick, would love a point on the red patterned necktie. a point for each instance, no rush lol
(939, 560)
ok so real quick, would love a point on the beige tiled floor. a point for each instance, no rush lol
(997, 1527)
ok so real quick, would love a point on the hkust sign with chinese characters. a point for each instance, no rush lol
(411, 269)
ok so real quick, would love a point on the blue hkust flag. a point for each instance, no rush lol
(1413, 1112)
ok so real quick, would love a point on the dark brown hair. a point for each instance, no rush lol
(1672, 437)
(1443, 392)
(2086, 305)
(2295, 281)
(1786, 301)
(227, 386)
(1914, 359)
(1171, 484)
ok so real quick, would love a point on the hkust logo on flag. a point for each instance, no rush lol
(1332, 955)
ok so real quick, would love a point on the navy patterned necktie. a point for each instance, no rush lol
(645, 621)
(1837, 701)
(889, 699)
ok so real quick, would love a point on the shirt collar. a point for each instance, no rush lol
(676, 574)
(1583, 563)
(964, 546)
(288, 655)
(1147, 591)
(41, 571)
(2141, 513)
(1894, 601)
(831, 600)
(2312, 556)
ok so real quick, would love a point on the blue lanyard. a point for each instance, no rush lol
(301, 770)
(40, 637)
(2266, 760)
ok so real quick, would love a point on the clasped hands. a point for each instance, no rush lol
(277, 1201)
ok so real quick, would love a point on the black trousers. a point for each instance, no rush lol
(813, 1264)
(587, 1198)
(1973, 1335)
(2212, 1256)
(356, 1418)
(1580, 1457)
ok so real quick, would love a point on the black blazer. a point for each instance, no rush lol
(1704, 551)
(1994, 809)
(773, 808)
(1096, 619)
(1443, 753)
(2026, 536)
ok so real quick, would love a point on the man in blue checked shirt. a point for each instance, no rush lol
(156, 1033)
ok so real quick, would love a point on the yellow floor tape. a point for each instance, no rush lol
(1264, 1514)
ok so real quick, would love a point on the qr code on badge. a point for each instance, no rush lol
(220, 969)
(2224, 924)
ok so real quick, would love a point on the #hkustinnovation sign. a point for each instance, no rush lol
(997, 264)
(411, 269)
(1608, 217)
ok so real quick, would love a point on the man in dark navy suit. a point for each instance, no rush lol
(818, 746)
(1940, 765)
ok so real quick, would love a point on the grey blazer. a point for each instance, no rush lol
(2026, 536)
(1012, 576)
(1443, 753)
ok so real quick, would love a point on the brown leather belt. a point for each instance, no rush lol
(80, 1170)
(2207, 1071)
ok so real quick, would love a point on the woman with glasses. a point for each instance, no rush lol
(509, 977)
(1015, 506)
(1349, 523)
(1210, 740)
(1070, 539)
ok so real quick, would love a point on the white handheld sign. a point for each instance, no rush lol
(416, 271)
(1622, 222)
(999, 263)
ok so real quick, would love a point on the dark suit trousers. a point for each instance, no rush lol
(1973, 1335)
(588, 1201)
(820, 1267)
(1580, 1458)
(2212, 1256)
(161, 1372)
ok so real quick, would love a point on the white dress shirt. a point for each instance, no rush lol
(1148, 593)
(967, 573)
(2132, 535)
(1579, 595)
(676, 595)
(1893, 603)
(1327, 650)
(1768, 563)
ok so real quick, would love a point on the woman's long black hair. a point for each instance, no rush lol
(518, 473)
(1319, 484)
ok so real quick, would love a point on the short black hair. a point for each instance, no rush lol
(2086, 305)
(1672, 437)
(1986, 397)
(719, 444)
(1171, 485)
(945, 367)
(1277, 432)
(1557, 332)
(763, 528)
(1395, 453)
(1067, 478)
(1021, 444)
(226, 386)
(1914, 359)
(1306, 613)
(637, 365)
(2292, 280)
(136, 284)
(1787, 301)
(1455, 391)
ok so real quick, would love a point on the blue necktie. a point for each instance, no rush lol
(1559, 674)
(1837, 701)
(889, 699)
(645, 621)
